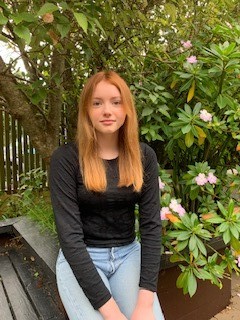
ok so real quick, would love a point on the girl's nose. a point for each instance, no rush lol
(107, 108)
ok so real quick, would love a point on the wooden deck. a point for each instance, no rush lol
(27, 292)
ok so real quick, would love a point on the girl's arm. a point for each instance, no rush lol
(64, 171)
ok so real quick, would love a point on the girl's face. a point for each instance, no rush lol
(106, 111)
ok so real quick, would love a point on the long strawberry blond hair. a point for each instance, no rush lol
(129, 161)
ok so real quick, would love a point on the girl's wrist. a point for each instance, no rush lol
(145, 297)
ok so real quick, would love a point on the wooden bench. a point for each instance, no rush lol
(27, 273)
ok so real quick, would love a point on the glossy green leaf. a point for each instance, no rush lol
(47, 8)
(192, 284)
(23, 33)
(189, 139)
(3, 19)
(81, 20)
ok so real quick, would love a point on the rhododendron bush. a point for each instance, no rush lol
(190, 113)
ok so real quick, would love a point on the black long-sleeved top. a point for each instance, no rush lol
(85, 218)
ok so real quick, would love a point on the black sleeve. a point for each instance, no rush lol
(150, 222)
(63, 186)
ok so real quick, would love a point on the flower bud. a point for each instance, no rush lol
(48, 18)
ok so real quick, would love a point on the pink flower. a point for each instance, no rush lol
(177, 207)
(192, 59)
(186, 44)
(163, 213)
(173, 204)
(201, 179)
(205, 116)
(180, 210)
(161, 184)
(212, 178)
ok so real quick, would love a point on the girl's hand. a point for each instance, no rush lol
(144, 307)
(143, 314)
(111, 311)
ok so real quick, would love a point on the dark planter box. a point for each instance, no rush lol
(206, 303)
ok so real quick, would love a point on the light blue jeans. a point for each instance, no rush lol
(119, 267)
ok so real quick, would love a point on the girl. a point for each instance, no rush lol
(102, 271)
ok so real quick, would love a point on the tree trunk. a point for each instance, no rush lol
(42, 128)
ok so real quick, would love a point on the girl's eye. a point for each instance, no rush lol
(96, 104)
(117, 103)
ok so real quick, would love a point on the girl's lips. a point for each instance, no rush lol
(107, 121)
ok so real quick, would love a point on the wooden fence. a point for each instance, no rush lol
(17, 155)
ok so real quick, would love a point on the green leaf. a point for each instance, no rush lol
(63, 29)
(23, 16)
(197, 108)
(182, 280)
(47, 8)
(181, 245)
(235, 243)
(216, 220)
(223, 226)
(192, 284)
(147, 111)
(3, 19)
(194, 192)
(226, 236)
(176, 258)
(189, 139)
(81, 20)
(186, 128)
(192, 243)
(234, 231)
(171, 10)
(153, 97)
(221, 101)
(222, 209)
(23, 33)
(183, 235)
(201, 247)
(203, 274)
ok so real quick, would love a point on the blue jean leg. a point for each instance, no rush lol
(124, 282)
(76, 304)
(119, 267)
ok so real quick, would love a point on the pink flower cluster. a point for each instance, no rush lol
(173, 206)
(186, 44)
(202, 179)
(192, 59)
(205, 116)
(161, 184)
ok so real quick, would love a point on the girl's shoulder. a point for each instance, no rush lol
(146, 150)
(66, 152)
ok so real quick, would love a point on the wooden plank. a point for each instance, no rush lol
(25, 152)
(45, 247)
(6, 226)
(8, 169)
(2, 167)
(18, 299)
(14, 155)
(44, 304)
(4, 307)
(20, 148)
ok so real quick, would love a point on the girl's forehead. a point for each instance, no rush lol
(104, 88)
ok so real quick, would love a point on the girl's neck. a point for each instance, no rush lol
(108, 146)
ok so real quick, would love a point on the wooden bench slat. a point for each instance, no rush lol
(5, 312)
(18, 299)
(43, 303)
